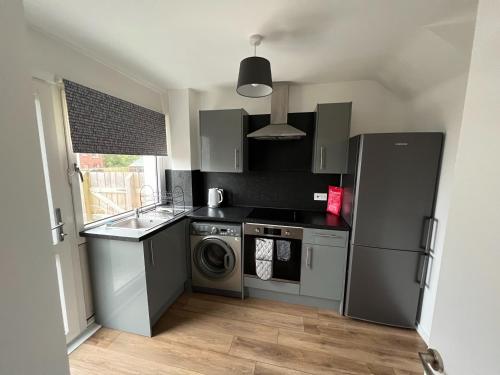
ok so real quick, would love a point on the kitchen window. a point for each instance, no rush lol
(114, 184)
(115, 147)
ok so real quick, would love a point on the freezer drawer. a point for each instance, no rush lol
(383, 286)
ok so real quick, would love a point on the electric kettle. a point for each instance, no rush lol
(215, 197)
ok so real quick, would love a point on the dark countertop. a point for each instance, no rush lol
(306, 219)
(227, 214)
(133, 235)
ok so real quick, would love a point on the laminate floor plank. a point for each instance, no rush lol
(353, 349)
(228, 326)
(264, 304)
(181, 355)
(265, 369)
(103, 337)
(377, 336)
(295, 358)
(244, 313)
(93, 360)
(332, 317)
(174, 328)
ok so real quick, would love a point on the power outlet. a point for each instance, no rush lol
(320, 196)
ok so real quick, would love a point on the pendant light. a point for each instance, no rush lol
(254, 78)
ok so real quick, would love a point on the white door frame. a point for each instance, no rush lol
(50, 111)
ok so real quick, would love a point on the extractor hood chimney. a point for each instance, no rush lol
(278, 129)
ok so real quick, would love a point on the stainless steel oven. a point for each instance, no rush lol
(288, 270)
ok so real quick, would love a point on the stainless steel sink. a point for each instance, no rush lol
(141, 223)
(171, 210)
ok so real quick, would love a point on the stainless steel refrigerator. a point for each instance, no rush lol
(389, 202)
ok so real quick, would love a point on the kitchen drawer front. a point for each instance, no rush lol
(326, 237)
(275, 286)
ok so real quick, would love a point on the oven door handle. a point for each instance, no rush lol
(309, 250)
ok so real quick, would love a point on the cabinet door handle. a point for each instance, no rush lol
(321, 157)
(152, 252)
(309, 257)
(326, 235)
(236, 158)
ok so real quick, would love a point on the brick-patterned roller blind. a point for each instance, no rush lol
(104, 124)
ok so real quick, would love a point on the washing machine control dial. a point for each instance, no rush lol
(214, 230)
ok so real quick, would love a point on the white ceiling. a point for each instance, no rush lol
(405, 44)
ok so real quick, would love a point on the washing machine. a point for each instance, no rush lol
(216, 258)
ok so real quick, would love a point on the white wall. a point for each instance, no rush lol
(194, 129)
(439, 109)
(466, 324)
(179, 129)
(31, 329)
(52, 57)
(375, 109)
(183, 129)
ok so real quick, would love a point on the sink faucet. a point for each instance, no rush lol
(140, 192)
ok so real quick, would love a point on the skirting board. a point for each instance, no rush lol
(423, 334)
(294, 299)
(218, 292)
(84, 336)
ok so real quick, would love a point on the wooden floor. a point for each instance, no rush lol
(204, 334)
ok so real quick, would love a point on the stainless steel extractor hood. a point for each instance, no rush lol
(278, 129)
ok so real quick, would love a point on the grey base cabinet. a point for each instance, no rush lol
(134, 283)
(323, 268)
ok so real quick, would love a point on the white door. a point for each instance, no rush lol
(60, 206)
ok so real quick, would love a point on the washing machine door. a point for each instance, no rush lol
(214, 258)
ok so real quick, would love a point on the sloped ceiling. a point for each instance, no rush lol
(405, 45)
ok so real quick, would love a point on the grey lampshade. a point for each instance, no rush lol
(254, 79)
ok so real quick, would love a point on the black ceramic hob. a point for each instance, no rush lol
(276, 214)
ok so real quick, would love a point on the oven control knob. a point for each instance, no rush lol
(257, 230)
(287, 233)
(214, 230)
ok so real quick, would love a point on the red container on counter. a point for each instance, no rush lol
(335, 195)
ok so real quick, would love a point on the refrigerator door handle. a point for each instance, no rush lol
(422, 269)
(430, 221)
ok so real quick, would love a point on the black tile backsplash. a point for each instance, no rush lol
(268, 189)
(182, 179)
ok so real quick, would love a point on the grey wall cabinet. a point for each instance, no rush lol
(324, 257)
(223, 140)
(331, 138)
(135, 282)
